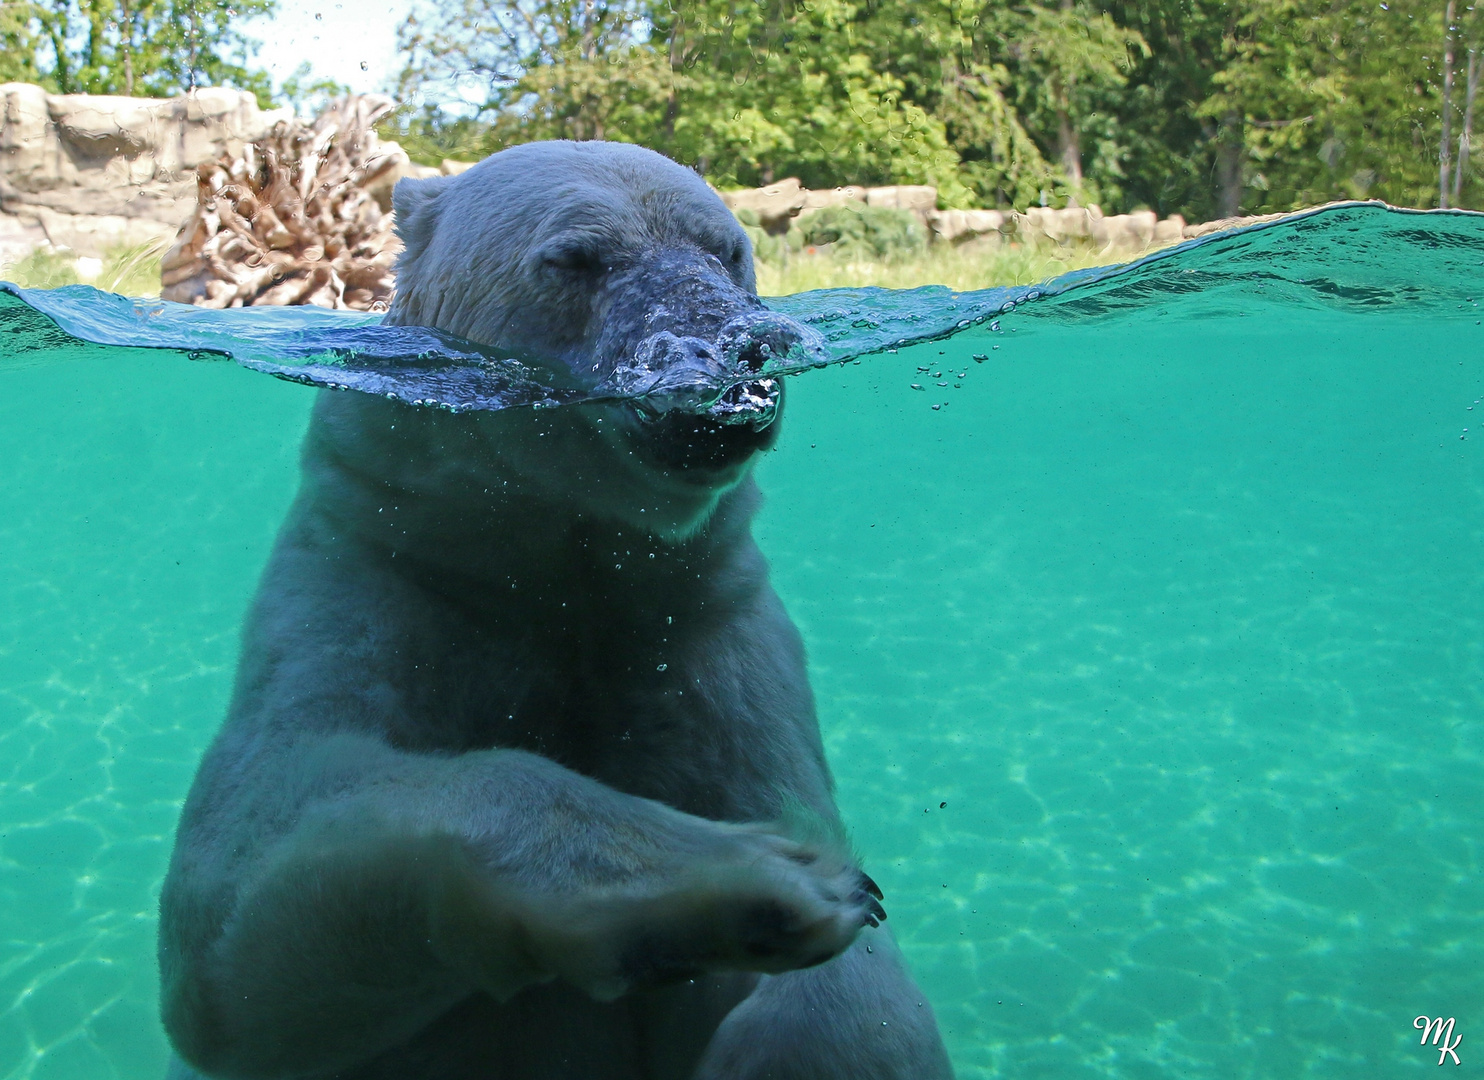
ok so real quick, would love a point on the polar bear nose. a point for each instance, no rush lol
(762, 340)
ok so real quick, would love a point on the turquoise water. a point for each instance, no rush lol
(1151, 664)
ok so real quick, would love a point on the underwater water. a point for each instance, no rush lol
(1150, 661)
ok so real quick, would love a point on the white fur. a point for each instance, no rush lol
(516, 705)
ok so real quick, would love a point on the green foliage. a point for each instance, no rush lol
(745, 92)
(310, 97)
(1073, 65)
(1338, 99)
(148, 48)
(860, 232)
(42, 268)
(430, 135)
(18, 42)
(1202, 107)
(132, 270)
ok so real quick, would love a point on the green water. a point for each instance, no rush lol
(1182, 619)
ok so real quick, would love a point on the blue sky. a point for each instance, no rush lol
(351, 41)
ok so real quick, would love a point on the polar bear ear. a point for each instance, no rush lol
(415, 203)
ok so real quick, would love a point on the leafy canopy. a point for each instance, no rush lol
(1203, 107)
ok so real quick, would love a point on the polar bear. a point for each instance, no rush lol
(521, 777)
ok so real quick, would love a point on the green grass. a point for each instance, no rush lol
(972, 266)
(135, 270)
(132, 270)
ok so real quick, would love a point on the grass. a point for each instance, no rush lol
(135, 270)
(971, 266)
(132, 270)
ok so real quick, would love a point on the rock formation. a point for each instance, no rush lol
(1114, 236)
(87, 173)
(778, 204)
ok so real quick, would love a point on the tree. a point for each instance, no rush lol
(787, 88)
(745, 92)
(18, 42)
(556, 65)
(1176, 157)
(310, 97)
(1470, 32)
(1203, 107)
(152, 48)
(951, 58)
(1337, 99)
(1080, 60)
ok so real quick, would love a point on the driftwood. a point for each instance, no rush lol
(291, 221)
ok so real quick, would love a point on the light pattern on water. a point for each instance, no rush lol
(1150, 664)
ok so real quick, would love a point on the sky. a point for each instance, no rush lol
(351, 41)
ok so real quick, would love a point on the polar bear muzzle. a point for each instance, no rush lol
(680, 335)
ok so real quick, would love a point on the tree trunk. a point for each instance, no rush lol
(126, 45)
(194, 36)
(63, 71)
(1230, 150)
(1069, 147)
(1445, 150)
(94, 52)
(1465, 138)
(672, 100)
(1068, 142)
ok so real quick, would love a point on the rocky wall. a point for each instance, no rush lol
(87, 172)
(1114, 235)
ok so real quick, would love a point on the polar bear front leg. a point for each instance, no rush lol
(858, 1017)
(735, 898)
(404, 883)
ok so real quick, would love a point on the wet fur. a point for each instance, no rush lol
(515, 708)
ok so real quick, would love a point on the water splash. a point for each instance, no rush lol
(1347, 256)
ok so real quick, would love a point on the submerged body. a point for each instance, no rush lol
(517, 705)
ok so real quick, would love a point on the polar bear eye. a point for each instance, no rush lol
(573, 258)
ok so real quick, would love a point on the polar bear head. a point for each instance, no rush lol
(583, 257)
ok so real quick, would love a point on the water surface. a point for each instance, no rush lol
(1150, 662)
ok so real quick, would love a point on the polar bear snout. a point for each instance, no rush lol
(677, 328)
(674, 288)
(758, 339)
